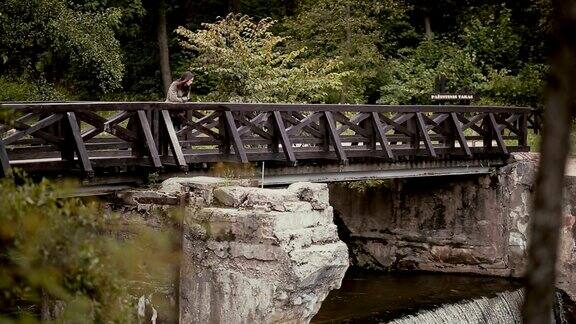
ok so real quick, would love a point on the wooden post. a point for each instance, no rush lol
(224, 146)
(286, 144)
(425, 135)
(148, 139)
(236, 140)
(523, 127)
(412, 126)
(79, 146)
(5, 170)
(488, 136)
(460, 134)
(333, 132)
(172, 140)
(381, 136)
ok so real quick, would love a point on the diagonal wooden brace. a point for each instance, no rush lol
(79, 145)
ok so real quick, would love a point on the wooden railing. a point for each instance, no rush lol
(92, 135)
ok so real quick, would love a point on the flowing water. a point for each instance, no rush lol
(503, 309)
(371, 297)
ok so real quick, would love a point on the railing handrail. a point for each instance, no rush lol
(151, 105)
(64, 133)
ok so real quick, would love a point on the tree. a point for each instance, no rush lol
(56, 39)
(164, 53)
(546, 216)
(241, 60)
(352, 31)
(490, 36)
(411, 78)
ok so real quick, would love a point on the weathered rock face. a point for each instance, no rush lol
(255, 255)
(461, 224)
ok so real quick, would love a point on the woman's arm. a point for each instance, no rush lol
(174, 95)
(184, 96)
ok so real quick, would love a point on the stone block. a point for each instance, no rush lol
(315, 193)
(231, 196)
(266, 256)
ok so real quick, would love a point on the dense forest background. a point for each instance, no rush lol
(389, 52)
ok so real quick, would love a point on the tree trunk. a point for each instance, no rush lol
(45, 308)
(163, 51)
(546, 217)
(428, 27)
(290, 7)
(233, 6)
(347, 53)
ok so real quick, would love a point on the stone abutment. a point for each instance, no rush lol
(475, 224)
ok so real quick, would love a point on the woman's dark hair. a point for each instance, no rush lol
(187, 76)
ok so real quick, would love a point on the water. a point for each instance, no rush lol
(505, 308)
(371, 297)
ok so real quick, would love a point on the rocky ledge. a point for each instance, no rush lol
(254, 255)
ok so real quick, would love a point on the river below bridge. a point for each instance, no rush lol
(375, 297)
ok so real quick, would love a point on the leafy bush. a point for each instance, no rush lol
(411, 78)
(22, 89)
(352, 31)
(56, 37)
(490, 36)
(241, 60)
(524, 89)
(60, 258)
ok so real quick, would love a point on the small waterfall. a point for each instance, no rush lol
(504, 308)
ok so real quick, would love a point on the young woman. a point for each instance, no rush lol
(179, 90)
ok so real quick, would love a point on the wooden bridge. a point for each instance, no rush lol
(99, 139)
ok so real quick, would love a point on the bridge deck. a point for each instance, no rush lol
(97, 138)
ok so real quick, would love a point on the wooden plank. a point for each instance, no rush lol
(335, 137)
(107, 125)
(285, 141)
(460, 134)
(149, 139)
(202, 125)
(308, 127)
(440, 118)
(345, 121)
(395, 124)
(523, 125)
(357, 119)
(300, 115)
(173, 141)
(5, 170)
(253, 127)
(381, 135)
(23, 119)
(236, 140)
(33, 128)
(424, 132)
(499, 139)
(79, 145)
(259, 119)
(472, 122)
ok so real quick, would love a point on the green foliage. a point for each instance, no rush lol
(524, 89)
(241, 60)
(55, 38)
(335, 50)
(352, 31)
(59, 255)
(362, 186)
(489, 34)
(411, 77)
(22, 89)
